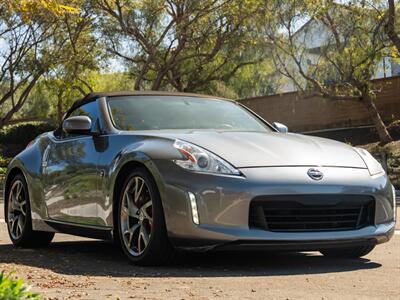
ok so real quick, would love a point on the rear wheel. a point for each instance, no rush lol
(352, 252)
(141, 225)
(18, 217)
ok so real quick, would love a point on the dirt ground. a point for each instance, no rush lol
(77, 268)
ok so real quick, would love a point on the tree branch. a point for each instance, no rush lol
(391, 25)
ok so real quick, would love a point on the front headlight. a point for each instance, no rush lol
(195, 158)
(374, 167)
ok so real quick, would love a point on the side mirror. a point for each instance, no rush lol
(280, 127)
(77, 125)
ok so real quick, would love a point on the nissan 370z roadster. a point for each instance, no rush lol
(156, 172)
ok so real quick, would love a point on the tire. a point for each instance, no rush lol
(134, 224)
(353, 252)
(25, 236)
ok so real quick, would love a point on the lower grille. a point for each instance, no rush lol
(311, 212)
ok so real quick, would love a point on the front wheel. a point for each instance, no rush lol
(352, 252)
(141, 225)
(18, 217)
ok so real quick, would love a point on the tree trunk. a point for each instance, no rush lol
(6, 119)
(21, 100)
(157, 82)
(391, 25)
(380, 127)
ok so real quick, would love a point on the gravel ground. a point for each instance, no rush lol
(78, 268)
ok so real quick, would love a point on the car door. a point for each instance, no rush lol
(70, 167)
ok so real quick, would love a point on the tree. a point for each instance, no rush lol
(255, 80)
(30, 8)
(59, 46)
(180, 44)
(23, 60)
(391, 25)
(340, 69)
(80, 55)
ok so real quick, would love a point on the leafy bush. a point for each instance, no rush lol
(4, 162)
(3, 169)
(15, 289)
(22, 134)
(14, 138)
(394, 129)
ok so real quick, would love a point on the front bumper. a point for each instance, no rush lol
(223, 206)
(224, 238)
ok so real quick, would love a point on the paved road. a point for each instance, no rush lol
(77, 268)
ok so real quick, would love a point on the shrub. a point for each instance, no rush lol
(14, 138)
(4, 162)
(23, 133)
(3, 169)
(14, 289)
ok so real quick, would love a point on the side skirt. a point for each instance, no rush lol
(102, 233)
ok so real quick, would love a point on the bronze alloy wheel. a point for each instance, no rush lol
(18, 216)
(17, 209)
(140, 229)
(136, 216)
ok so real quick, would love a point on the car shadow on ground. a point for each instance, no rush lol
(98, 258)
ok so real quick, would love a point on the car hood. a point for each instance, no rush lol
(257, 149)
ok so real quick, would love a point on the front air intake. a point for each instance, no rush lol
(311, 212)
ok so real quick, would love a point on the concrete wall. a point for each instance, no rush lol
(316, 113)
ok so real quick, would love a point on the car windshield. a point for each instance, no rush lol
(177, 112)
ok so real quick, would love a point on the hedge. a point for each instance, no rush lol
(23, 133)
(14, 138)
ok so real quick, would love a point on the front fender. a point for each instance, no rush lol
(142, 153)
(29, 163)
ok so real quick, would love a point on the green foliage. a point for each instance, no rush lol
(22, 134)
(351, 45)
(225, 48)
(3, 169)
(15, 289)
(44, 41)
(335, 55)
(3, 163)
(255, 80)
(182, 45)
(394, 129)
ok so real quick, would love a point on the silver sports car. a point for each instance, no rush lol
(156, 172)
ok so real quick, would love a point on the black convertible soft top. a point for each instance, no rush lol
(93, 96)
